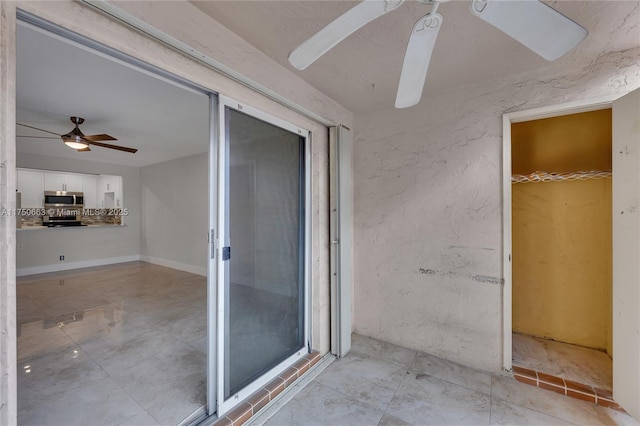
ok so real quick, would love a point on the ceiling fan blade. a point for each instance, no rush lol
(539, 27)
(119, 148)
(35, 128)
(416, 60)
(84, 149)
(36, 137)
(341, 28)
(101, 137)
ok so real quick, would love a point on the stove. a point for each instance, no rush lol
(63, 224)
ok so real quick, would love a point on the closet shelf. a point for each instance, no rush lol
(552, 177)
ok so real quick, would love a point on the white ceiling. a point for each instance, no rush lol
(362, 72)
(57, 79)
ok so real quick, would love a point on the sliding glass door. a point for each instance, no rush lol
(262, 265)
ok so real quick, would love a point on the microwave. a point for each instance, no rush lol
(64, 199)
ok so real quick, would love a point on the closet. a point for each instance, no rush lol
(562, 246)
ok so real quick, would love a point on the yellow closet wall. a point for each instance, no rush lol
(562, 240)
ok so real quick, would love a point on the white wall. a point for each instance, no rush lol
(175, 208)
(39, 250)
(428, 225)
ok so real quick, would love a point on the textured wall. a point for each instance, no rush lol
(428, 225)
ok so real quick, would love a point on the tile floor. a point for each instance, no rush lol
(92, 343)
(121, 344)
(382, 384)
(576, 363)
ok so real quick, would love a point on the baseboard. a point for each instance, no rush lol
(175, 265)
(75, 265)
(110, 261)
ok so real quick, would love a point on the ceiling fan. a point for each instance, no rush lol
(537, 26)
(77, 140)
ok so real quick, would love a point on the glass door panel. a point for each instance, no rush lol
(263, 300)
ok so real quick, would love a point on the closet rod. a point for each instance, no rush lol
(554, 177)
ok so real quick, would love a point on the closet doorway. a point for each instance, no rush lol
(562, 247)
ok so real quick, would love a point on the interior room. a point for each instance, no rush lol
(322, 225)
(121, 295)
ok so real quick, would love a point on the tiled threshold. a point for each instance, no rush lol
(250, 407)
(566, 387)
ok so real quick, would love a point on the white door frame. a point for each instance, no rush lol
(224, 405)
(576, 107)
(341, 229)
(212, 265)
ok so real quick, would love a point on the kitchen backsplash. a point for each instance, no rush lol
(91, 217)
(28, 221)
(95, 218)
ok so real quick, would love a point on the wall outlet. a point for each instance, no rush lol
(62, 257)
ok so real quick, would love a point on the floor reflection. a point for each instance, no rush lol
(120, 344)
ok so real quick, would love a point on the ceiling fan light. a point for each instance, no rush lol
(74, 142)
(76, 145)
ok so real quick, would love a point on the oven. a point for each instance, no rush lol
(63, 208)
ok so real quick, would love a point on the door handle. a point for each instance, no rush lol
(226, 253)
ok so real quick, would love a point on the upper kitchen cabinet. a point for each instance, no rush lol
(90, 185)
(31, 185)
(100, 191)
(110, 188)
(54, 181)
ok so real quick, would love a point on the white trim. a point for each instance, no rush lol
(341, 230)
(223, 405)
(308, 235)
(212, 265)
(198, 270)
(75, 265)
(221, 241)
(575, 107)
(507, 326)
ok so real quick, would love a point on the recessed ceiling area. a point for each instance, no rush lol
(57, 79)
(363, 71)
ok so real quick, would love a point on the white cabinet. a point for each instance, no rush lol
(90, 184)
(110, 190)
(100, 191)
(54, 181)
(31, 185)
(74, 182)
